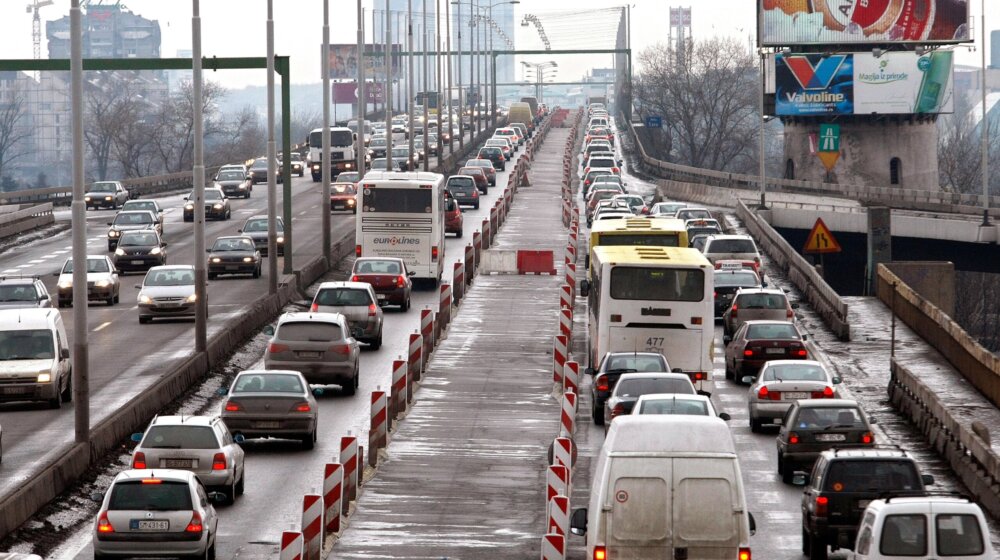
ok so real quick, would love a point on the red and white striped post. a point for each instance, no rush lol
(574, 237)
(553, 547)
(567, 422)
(565, 297)
(458, 281)
(559, 355)
(487, 236)
(571, 253)
(571, 377)
(571, 278)
(494, 223)
(477, 255)
(556, 482)
(566, 324)
(398, 389)
(291, 546)
(444, 307)
(427, 330)
(333, 495)
(559, 515)
(377, 431)
(349, 458)
(312, 526)
(415, 357)
(563, 452)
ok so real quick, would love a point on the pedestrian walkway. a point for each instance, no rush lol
(465, 473)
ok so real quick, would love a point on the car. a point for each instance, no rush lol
(694, 213)
(233, 183)
(156, 512)
(35, 362)
(611, 368)
(344, 196)
(102, 281)
(732, 247)
(676, 403)
(631, 386)
(255, 227)
(378, 146)
(233, 254)
(478, 175)
(358, 303)
(379, 164)
(433, 145)
(23, 292)
(666, 209)
(258, 171)
(596, 162)
(503, 144)
(148, 204)
(757, 342)
(512, 134)
(781, 383)
(814, 424)
(522, 131)
(610, 214)
(610, 181)
(842, 485)
(132, 220)
(453, 221)
(388, 276)
(727, 282)
(697, 240)
(200, 444)
(234, 166)
(105, 194)
(495, 156)
(588, 179)
(923, 528)
(139, 251)
(166, 292)
(349, 177)
(596, 197)
(317, 345)
(216, 206)
(463, 190)
(404, 160)
(272, 404)
(298, 165)
(635, 202)
(487, 167)
(753, 304)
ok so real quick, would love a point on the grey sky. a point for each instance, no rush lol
(237, 28)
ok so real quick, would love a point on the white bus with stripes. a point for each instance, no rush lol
(402, 215)
(652, 299)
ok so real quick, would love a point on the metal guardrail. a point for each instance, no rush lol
(140, 186)
(18, 221)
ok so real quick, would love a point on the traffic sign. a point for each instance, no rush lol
(829, 145)
(654, 122)
(821, 239)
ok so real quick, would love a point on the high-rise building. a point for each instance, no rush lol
(995, 49)
(108, 32)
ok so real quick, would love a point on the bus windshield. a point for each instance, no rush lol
(657, 284)
(402, 201)
(658, 240)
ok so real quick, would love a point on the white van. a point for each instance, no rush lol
(924, 527)
(666, 487)
(34, 357)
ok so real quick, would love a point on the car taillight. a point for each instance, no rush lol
(697, 376)
(357, 250)
(745, 554)
(715, 295)
(748, 352)
(828, 392)
(734, 311)
(618, 410)
(763, 393)
(233, 406)
(139, 460)
(194, 526)
(600, 553)
(800, 353)
(371, 309)
(475, 193)
(867, 438)
(400, 281)
(585, 171)
(822, 502)
(793, 438)
(788, 312)
(615, 170)
(355, 278)
(103, 524)
(434, 253)
(343, 349)
(219, 462)
(276, 348)
(314, 307)
(602, 383)
(301, 407)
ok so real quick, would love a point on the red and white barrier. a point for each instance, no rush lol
(571, 277)
(559, 355)
(291, 546)
(470, 262)
(566, 324)
(558, 515)
(487, 234)
(377, 434)
(458, 281)
(556, 482)
(398, 390)
(564, 452)
(567, 423)
(333, 495)
(553, 547)
(427, 331)
(571, 377)
(415, 359)
(565, 297)
(571, 253)
(349, 458)
(444, 307)
(312, 526)
(477, 253)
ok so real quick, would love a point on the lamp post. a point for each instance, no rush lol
(486, 46)
(540, 68)
(325, 192)
(985, 128)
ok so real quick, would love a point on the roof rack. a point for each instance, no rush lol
(940, 494)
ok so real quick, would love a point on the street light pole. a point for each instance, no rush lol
(439, 81)
(81, 358)
(451, 123)
(387, 102)
(410, 86)
(200, 264)
(427, 88)
(763, 140)
(462, 103)
(476, 80)
(985, 129)
(359, 144)
(272, 168)
(325, 203)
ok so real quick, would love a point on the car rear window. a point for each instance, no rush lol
(958, 535)
(308, 331)
(180, 437)
(772, 331)
(794, 372)
(674, 406)
(872, 475)
(163, 495)
(637, 363)
(738, 279)
(268, 383)
(638, 387)
(731, 246)
(824, 417)
(762, 301)
(343, 296)
(904, 535)
(601, 162)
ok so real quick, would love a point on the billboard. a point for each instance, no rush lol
(840, 22)
(344, 61)
(347, 92)
(862, 84)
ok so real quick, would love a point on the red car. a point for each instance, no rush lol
(388, 277)
(757, 342)
(452, 216)
(343, 196)
(488, 169)
(477, 173)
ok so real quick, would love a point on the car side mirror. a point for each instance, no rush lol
(208, 250)
(268, 330)
(185, 199)
(64, 353)
(726, 417)
(163, 245)
(317, 391)
(585, 288)
(239, 438)
(590, 371)
(109, 223)
(800, 478)
(927, 479)
(217, 497)
(747, 380)
(97, 497)
(726, 339)
(56, 274)
(805, 337)
(763, 284)
(411, 273)
(215, 177)
(578, 522)
(136, 437)
(837, 381)
(795, 306)
(43, 296)
(753, 524)
(221, 391)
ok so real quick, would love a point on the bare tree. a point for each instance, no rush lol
(708, 101)
(14, 132)
(104, 95)
(242, 138)
(959, 149)
(173, 132)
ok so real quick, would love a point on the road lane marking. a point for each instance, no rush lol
(24, 266)
(8, 271)
(102, 325)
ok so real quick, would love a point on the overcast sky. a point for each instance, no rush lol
(237, 28)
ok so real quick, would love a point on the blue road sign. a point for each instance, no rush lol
(654, 122)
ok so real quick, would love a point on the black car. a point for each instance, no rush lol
(258, 171)
(403, 160)
(138, 251)
(234, 183)
(813, 425)
(463, 190)
(255, 227)
(726, 284)
(377, 147)
(842, 484)
(631, 386)
(130, 220)
(495, 155)
(233, 255)
(216, 206)
(613, 365)
(105, 194)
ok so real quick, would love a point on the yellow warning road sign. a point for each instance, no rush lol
(821, 240)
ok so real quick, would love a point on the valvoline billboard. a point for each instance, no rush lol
(814, 84)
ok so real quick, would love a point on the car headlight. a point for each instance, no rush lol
(120, 252)
(280, 239)
(189, 206)
(145, 299)
(113, 233)
(248, 259)
(216, 260)
(316, 166)
(86, 198)
(350, 202)
(252, 173)
(44, 377)
(153, 251)
(102, 283)
(192, 298)
(65, 284)
(242, 186)
(218, 206)
(349, 165)
(108, 198)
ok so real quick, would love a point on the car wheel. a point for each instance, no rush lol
(309, 441)
(755, 425)
(458, 234)
(406, 305)
(377, 343)
(597, 413)
(111, 299)
(56, 402)
(805, 542)
(476, 206)
(67, 393)
(788, 473)
(230, 493)
(241, 485)
(212, 276)
(118, 295)
(100, 556)
(144, 320)
(60, 303)
(817, 549)
(352, 387)
(256, 272)
(729, 372)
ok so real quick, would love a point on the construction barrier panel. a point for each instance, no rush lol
(567, 421)
(553, 547)
(563, 452)
(535, 262)
(349, 458)
(571, 377)
(312, 526)
(333, 495)
(559, 515)
(398, 398)
(377, 433)
(458, 282)
(559, 356)
(556, 482)
(427, 331)
(415, 359)
(291, 546)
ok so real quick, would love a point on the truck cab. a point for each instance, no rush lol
(342, 156)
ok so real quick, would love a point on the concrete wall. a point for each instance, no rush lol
(865, 152)
(934, 281)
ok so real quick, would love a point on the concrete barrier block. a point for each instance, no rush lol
(496, 261)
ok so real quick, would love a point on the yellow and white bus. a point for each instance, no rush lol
(647, 232)
(652, 299)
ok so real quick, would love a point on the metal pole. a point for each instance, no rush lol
(81, 359)
(400, 108)
(763, 140)
(410, 85)
(438, 82)
(426, 59)
(387, 63)
(451, 123)
(493, 73)
(985, 129)
(359, 144)
(461, 88)
(272, 168)
(479, 79)
(325, 202)
(285, 70)
(200, 262)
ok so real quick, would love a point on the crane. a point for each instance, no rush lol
(538, 25)
(36, 24)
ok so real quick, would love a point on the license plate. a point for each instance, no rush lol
(178, 463)
(774, 351)
(831, 437)
(169, 304)
(380, 296)
(15, 390)
(309, 354)
(795, 396)
(149, 525)
(138, 262)
(267, 425)
(338, 207)
(232, 267)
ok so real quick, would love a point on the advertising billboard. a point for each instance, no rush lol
(896, 83)
(347, 92)
(839, 22)
(344, 61)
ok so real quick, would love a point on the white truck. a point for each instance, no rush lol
(342, 157)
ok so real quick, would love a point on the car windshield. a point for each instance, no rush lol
(140, 205)
(601, 162)
(260, 224)
(479, 163)
(230, 176)
(232, 244)
(823, 417)
(607, 179)
(180, 437)
(150, 495)
(772, 331)
(674, 406)
(213, 195)
(377, 267)
(461, 182)
(33, 344)
(638, 387)
(132, 219)
(22, 292)
(731, 246)
(795, 372)
(762, 301)
(351, 177)
(343, 296)
(168, 277)
(259, 165)
(378, 143)
(103, 187)
(93, 265)
(690, 214)
(736, 279)
(472, 171)
(344, 189)
(141, 239)
(268, 383)
(872, 475)
(635, 362)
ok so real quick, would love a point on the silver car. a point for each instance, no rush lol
(676, 403)
(156, 513)
(200, 444)
(272, 403)
(23, 292)
(732, 247)
(166, 291)
(782, 382)
(757, 304)
(319, 345)
(102, 281)
(358, 303)
(147, 204)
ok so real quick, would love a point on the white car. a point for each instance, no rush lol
(732, 248)
(102, 281)
(676, 403)
(923, 528)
